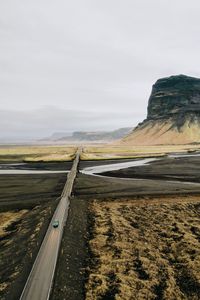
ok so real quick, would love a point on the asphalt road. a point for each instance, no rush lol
(40, 280)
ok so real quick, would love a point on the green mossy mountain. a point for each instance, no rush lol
(174, 96)
(173, 113)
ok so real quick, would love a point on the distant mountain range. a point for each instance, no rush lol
(173, 114)
(88, 136)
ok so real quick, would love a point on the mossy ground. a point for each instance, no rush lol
(112, 151)
(36, 153)
(145, 250)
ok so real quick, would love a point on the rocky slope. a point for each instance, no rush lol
(173, 114)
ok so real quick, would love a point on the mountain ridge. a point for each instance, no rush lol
(173, 113)
(89, 136)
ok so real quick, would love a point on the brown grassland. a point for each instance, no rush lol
(111, 151)
(50, 153)
(145, 249)
(20, 230)
(7, 218)
(36, 153)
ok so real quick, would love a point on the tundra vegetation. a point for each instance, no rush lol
(36, 153)
(118, 246)
(145, 249)
(61, 153)
(111, 151)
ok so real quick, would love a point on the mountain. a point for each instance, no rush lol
(87, 136)
(58, 135)
(173, 114)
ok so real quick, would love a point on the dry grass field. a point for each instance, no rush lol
(58, 153)
(145, 249)
(99, 152)
(20, 235)
(36, 153)
(9, 217)
(6, 220)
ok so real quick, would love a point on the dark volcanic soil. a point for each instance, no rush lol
(71, 270)
(53, 166)
(21, 191)
(88, 186)
(78, 262)
(38, 194)
(74, 279)
(19, 248)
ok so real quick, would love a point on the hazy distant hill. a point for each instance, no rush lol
(173, 114)
(58, 135)
(86, 136)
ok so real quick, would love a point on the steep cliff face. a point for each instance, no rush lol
(173, 113)
(173, 97)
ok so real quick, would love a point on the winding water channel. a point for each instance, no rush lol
(14, 169)
(116, 166)
(98, 170)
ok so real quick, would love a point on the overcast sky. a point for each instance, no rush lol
(90, 62)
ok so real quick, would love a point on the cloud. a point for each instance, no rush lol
(45, 121)
(100, 56)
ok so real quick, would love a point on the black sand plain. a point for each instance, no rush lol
(162, 182)
(37, 196)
